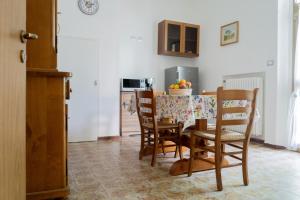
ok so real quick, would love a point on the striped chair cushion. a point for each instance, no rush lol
(160, 126)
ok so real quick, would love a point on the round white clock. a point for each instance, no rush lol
(89, 7)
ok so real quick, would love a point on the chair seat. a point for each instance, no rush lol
(160, 126)
(211, 126)
(187, 133)
(226, 135)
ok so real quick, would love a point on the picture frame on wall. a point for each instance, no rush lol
(230, 33)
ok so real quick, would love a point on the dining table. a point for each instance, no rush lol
(188, 109)
(183, 108)
(193, 111)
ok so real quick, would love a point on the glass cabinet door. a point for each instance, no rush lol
(191, 40)
(178, 39)
(173, 38)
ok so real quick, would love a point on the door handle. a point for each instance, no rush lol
(24, 36)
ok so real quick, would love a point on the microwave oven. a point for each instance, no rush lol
(129, 85)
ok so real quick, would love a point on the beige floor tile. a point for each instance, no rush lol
(112, 170)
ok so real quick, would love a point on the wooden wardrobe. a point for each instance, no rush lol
(47, 92)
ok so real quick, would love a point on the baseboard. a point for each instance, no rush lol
(260, 141)
(273, 146)
(257, 140)
(134, 135)
(109, 138)
(50, 194)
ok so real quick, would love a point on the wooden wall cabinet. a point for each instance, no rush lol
(178, 39)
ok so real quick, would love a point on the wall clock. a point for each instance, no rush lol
(88, 7)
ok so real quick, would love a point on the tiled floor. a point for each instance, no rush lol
(111, 170)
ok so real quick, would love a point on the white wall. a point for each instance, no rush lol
(259, 43)
(127, 35)
(140, 19)
(115, 27)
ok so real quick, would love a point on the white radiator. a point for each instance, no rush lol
(249, 83)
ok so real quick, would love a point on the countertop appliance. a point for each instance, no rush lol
(173, 74)
(129, 85)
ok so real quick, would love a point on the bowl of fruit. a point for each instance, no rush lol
(182, 87)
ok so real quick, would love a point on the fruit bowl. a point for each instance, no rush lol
(181, 87)
(180, 91)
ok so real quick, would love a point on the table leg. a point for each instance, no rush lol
(181, 166)
(201, 124)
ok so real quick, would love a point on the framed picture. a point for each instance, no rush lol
(230, 33)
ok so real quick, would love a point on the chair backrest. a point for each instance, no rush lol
(245, 108)
(146, 108)
(204, 92)
(158, 93)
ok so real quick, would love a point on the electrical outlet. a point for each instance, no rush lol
(270, 63)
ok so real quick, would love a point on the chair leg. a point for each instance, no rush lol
(245, 164)
(163, 147)
(142, 146)
(218, 158)
(180, 152)
(180, 125)
(155, 148)
(222, 150)
(192, 152)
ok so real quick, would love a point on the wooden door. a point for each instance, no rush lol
(84, 107)
(12, 100)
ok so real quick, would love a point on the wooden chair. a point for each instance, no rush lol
(222, 137)
(204, 92)
(153, 132)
